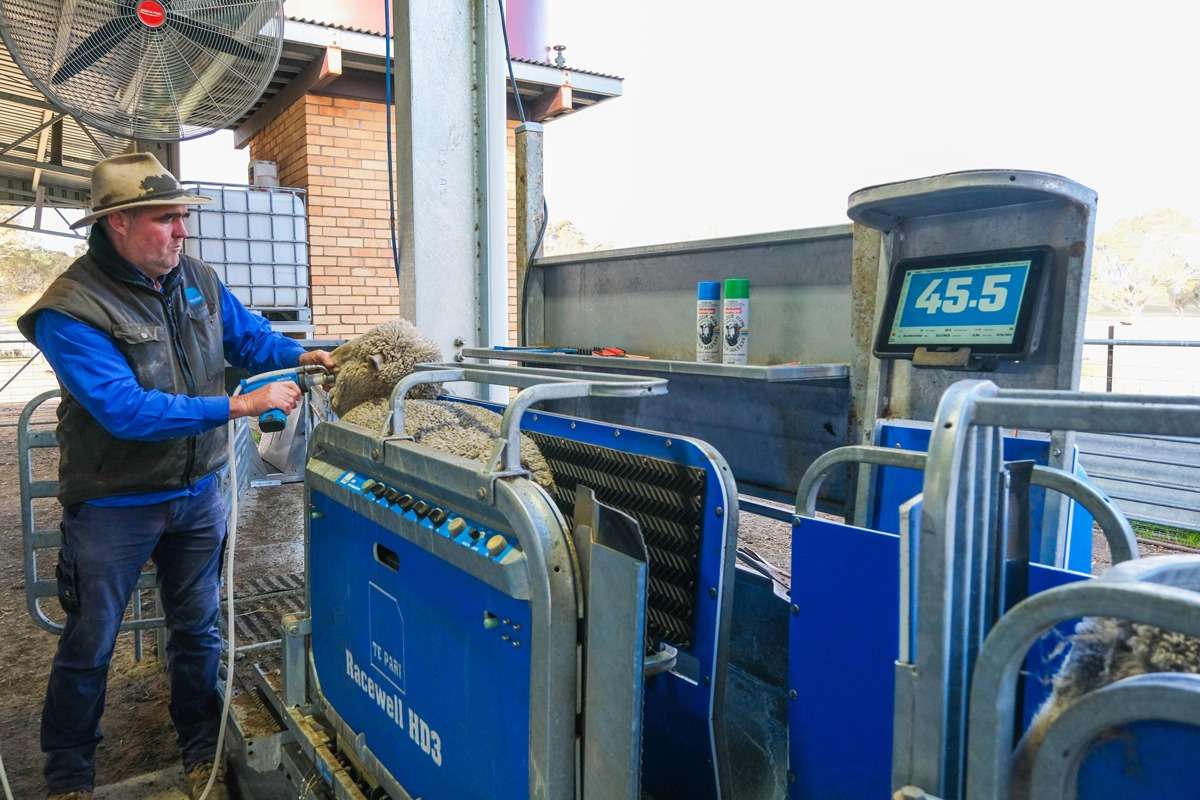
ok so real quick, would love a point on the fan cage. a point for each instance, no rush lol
(202, 69)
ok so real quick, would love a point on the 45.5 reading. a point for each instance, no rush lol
(957, 295)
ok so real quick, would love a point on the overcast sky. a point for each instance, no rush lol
(754, 116)
(757, 116)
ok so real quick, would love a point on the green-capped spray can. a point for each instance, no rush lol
(735, 321)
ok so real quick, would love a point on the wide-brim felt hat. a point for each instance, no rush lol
(132, 181)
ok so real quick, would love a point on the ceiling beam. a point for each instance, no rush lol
(46, 231)
(54, 169)
(553, 103)
(43, 141)
(19, 99)
(320, 72)
(46, 123)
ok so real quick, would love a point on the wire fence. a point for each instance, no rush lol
(24, 374)
(1141, 366)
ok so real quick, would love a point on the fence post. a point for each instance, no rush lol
(1112, 331)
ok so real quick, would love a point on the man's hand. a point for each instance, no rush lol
(318, 358)
(284, 395)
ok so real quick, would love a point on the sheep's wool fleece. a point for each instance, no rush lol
(370, 366)
(457, 428)
(1104, 651)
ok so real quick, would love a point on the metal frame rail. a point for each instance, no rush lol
(34, 539)
(1115, 526)
(1160, 592)
(537, 386)
(954, 577)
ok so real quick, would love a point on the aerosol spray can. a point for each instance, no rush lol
(708, 322)
(735, 323)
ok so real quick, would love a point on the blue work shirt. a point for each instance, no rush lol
(88, 363)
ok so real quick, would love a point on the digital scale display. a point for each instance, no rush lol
(987, 302)
(968, 305)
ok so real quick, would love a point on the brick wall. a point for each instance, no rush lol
(334, 148)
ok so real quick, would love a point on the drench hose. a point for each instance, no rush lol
(273, 420)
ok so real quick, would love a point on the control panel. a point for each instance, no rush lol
(486, 542)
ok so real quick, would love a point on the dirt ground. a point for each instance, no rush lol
(138, 737)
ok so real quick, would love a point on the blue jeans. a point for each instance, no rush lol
(102, 556)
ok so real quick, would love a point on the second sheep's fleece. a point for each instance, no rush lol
(1103, 651)
(370, 366)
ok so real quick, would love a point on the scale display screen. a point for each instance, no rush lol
(982, 301)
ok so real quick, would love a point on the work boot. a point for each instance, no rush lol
(197, 778)
(78, 794)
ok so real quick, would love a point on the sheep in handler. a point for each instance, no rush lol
(370, 366)
(1103, 651)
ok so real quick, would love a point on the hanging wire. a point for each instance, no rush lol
(391, 178)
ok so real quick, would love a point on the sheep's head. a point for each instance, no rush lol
(370, 366)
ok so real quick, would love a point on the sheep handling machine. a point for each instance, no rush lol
(468, 633)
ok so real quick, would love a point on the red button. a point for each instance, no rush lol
(151, 13)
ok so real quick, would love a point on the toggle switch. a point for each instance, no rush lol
(437, 517)
(421, 509)
(406, 502)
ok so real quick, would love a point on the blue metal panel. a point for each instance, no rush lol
(1145, 761)
(679, 742)
(403, 655)
(894, 485)
(842, 644)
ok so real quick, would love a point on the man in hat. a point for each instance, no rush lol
(138, 335)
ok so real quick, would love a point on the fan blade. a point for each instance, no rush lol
(208, 36)
(94, 47)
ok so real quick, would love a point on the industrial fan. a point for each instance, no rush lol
(157, 70)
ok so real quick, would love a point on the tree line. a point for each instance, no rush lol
(1145, 260)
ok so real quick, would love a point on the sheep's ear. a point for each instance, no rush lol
(377, 360)
(342, 352)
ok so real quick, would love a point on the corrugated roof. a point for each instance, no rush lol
(351, 29)
(324, 24)
(570, 67)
